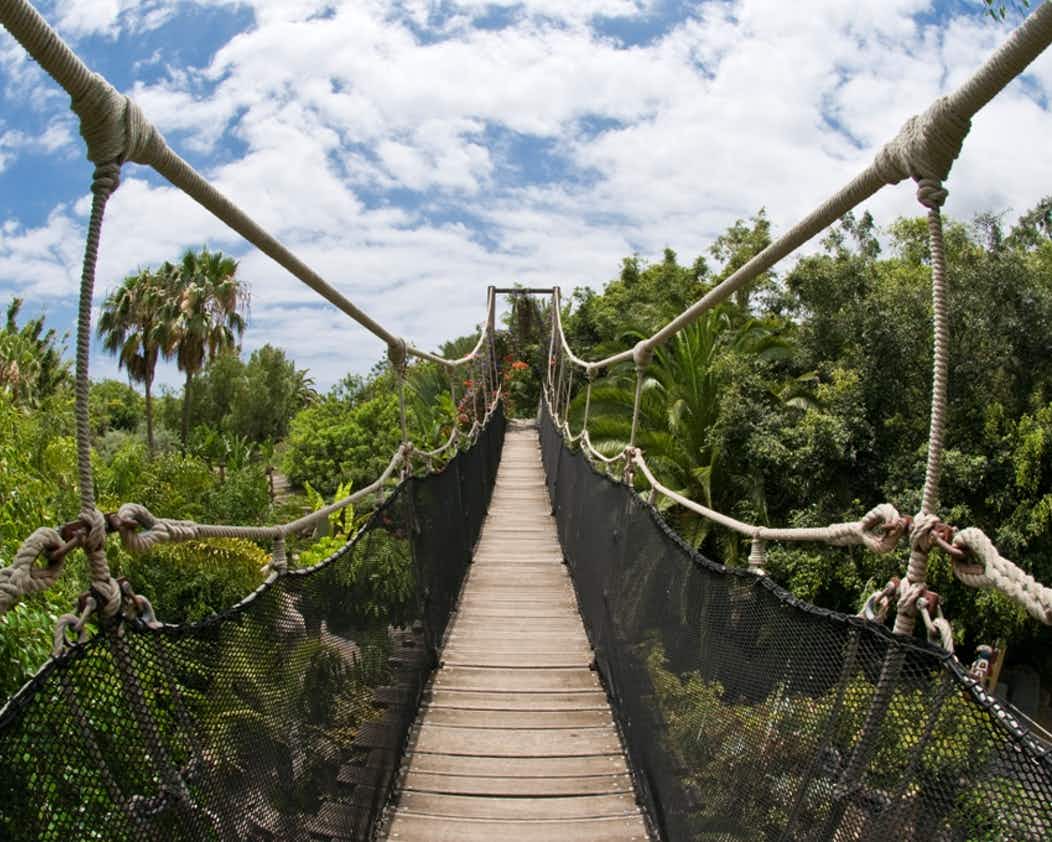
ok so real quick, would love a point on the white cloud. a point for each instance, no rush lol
(411, 171)
(79, 18)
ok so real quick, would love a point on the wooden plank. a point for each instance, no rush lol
(489, 700)
(483, 807)
(466, 718)
(526, 642)
(518, 680)
(410, 827)
(518, 767)
(517, 787)
(514, 742)
(509, 606)
(523, 612)
(454, 656)
(515, 739)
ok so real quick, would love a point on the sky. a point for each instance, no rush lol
(415, 151)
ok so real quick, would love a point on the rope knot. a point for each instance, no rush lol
(882, 527)
(642, 354)
(909, 593)
(114, 127)
(24, 576)
(156, 530)
(925, 147)
(921, 537)
(106, 179)
(931, 193)
(398, 356)
(103, 585)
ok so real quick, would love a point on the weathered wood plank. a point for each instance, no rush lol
(483, 807)
(519, 767)
(410, 827)
(516, 742)
(515, 680)
(490, 700)
(467, 718)
(517, 787)
(455, 656)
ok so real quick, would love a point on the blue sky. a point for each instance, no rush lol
(415, 151)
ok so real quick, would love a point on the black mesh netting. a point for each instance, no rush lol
(750, 715)
(283, 718)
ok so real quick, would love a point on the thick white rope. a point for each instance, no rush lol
(931, 194)
(995, 571)
(24, 576)
(115, 130)
(140, 529)
(924, 148)
(879, 529)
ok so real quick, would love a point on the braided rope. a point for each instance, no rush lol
(879, 529)
(995, 571)
(24, 577)
(931, 194)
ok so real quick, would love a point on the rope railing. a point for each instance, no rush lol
(115, 132)
(924, 149)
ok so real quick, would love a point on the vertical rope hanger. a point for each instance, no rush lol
(932, 195)
(106, 591)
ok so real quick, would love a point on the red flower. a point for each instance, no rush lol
(519, 365)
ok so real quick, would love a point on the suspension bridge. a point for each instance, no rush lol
(569, 668)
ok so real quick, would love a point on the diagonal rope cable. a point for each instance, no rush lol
(115, 130)
(924, 148)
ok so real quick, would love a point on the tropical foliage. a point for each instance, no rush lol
(806, 402)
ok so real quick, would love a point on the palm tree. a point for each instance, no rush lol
(133, 326)
(679, 411)
(206, 318)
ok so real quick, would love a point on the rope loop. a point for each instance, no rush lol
(133, 516)
(25, 576)
(71, 629)
(878, 604)
(931, 193)
(880, 529)
(939, 629)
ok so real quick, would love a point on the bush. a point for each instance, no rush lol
(189, 581)
(334, 442)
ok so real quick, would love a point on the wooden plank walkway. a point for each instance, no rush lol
(515, 740)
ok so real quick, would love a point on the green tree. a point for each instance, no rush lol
(274, 390)
(681, 408)
(31, 365)
(207, 318)
(333, 441)
(115, 406)
(134, 327)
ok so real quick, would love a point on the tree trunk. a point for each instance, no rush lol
(149, 413)
(184, 433)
